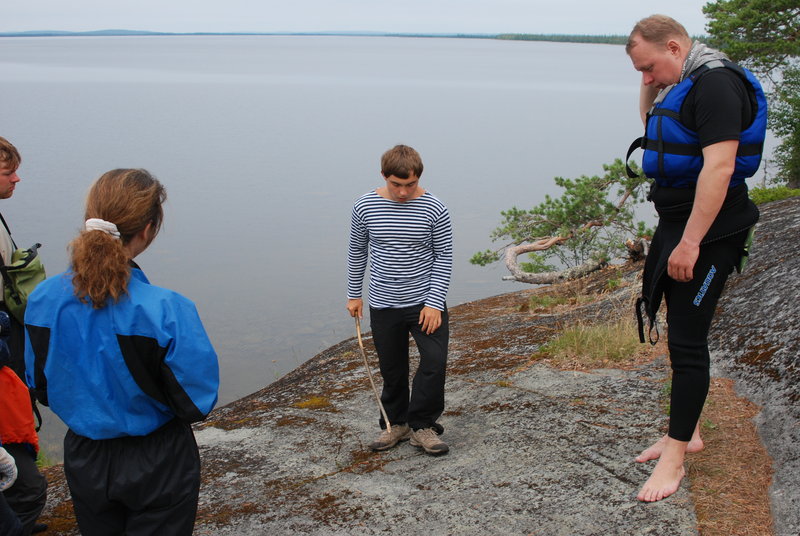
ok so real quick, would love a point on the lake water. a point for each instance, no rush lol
(264, 143)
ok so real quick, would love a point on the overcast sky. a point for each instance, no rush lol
(413, 16)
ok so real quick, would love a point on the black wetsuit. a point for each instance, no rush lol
(718, 108)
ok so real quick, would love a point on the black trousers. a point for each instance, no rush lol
(28, 495)
(690, 310)
(134, 486)
(9, 522)
(423, 404)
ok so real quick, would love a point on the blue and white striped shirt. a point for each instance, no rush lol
(410, 246)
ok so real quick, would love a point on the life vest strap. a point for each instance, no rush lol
(637, 143)
(683, 149)
(641, 304)
(672, 114)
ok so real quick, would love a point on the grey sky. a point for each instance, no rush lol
(426, 16)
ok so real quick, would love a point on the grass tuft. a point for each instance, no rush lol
(544, 302)
(596, 344)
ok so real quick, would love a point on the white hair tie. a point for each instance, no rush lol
(96, 224)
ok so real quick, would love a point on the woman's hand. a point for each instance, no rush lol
(8, 470)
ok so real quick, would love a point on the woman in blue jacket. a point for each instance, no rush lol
(126, 365)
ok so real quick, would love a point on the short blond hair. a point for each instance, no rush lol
(657, 29)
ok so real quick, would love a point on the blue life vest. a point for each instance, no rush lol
(672, 152)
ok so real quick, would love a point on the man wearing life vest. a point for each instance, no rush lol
(705, 124)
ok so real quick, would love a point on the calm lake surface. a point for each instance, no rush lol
(263, 144)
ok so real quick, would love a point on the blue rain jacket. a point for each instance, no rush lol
(125, 369)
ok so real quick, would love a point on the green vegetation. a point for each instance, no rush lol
(537, 264)
(595, 345)
(784, 123)
(762, 35)
(666, 395)
(43, 459)
(707, 425)
(614, 283)
(539, 302)
(761, 195)
(544, 301)
(590, 221)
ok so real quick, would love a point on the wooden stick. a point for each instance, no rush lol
(369, 373)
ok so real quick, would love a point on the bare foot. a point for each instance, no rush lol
(665, 480)
(668, 473)
(654, 451)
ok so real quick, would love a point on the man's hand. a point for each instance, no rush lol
(430, 319)
(681, 262)
(356, 307)
(8, 470)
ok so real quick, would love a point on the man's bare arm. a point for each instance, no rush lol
(719, 161)
(647, 94)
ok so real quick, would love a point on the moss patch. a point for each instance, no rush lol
(316, 402)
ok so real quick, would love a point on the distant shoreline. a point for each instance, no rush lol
(563, 38)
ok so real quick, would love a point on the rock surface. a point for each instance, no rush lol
(534, 449)
(755, 341)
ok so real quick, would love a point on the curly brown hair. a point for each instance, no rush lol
(131, 199)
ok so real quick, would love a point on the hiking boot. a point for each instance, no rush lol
(385, 441)
(428, 440)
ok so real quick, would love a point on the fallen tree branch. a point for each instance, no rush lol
(544, 278)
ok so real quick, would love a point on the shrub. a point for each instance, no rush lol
(761, 195)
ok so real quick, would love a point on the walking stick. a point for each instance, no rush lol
(369, 373)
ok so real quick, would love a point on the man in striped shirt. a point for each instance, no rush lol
(405, 231)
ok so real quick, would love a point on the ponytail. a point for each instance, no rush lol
(130, 199)
(100, 267)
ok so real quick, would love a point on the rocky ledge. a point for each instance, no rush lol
(534, 449)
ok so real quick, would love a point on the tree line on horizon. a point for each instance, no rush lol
(566, 38)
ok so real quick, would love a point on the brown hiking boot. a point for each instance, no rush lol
(428, 440)
(385, 441)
